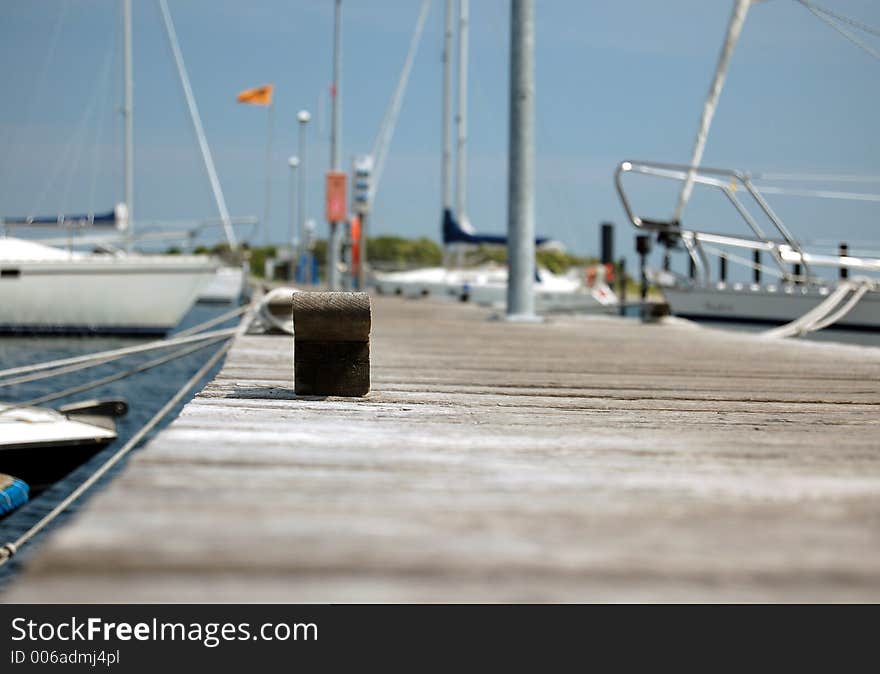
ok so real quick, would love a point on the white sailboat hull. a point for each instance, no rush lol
(771, 304)
(488, 286)
(104, 294)
(227, 285)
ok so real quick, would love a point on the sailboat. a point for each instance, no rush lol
(486, 285)
(48, 289)
(799, 297)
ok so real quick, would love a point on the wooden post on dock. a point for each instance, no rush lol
(331, 353)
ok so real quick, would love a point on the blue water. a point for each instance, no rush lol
(145, 392)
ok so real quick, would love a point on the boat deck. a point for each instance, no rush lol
(576, 460)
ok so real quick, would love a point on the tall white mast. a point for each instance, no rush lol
(734, 28)
(127, 113)
(197, 124)
(461, 168)
(446, 176)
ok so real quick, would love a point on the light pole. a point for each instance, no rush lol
(334, 244)
(292, 237)
(521, 171)
(303, 118)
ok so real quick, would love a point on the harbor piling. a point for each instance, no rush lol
(643, 248)
(607, 243)
(331, 343)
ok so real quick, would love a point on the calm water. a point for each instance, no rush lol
(145, 392)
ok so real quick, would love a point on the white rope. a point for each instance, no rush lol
(270, 320)
(9, 549)
(827, 312)
(843, 311)
(95, 383)
(158, 344)
(100, 361)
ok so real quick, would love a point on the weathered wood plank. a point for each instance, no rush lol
(583, 459)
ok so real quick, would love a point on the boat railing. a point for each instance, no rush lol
(780, 243)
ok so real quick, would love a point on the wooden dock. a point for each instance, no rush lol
(584, 459)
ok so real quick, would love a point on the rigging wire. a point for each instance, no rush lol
(840, 29)
(41, 82)
(816, 177)
(855, 23)
(103, 359)
(116, 376)
(99, 123)
(126, 350)
(74, 144)
(100, 85)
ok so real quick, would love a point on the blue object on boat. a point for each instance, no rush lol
(80, 219)
(13, 494)
(453, 232)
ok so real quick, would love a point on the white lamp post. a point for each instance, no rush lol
(303, 117)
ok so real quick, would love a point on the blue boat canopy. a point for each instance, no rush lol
(453, 232)
(107, 219)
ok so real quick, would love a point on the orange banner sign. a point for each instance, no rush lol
(335, 210)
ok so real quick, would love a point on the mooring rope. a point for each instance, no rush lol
(270, 321)
(125, 351)
(95, 383)
(827, 312)
(11, 548)
(100, 360)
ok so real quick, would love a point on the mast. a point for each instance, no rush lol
(461, 168)
(335, 150)
(127, 113)
(734, 28)
(389, 122)
(197, 124)
(446, 177)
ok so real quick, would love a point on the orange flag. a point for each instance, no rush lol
(259, 96)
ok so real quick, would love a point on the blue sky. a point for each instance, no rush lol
(615, 80)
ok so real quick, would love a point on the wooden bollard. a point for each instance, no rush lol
(331, 350)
